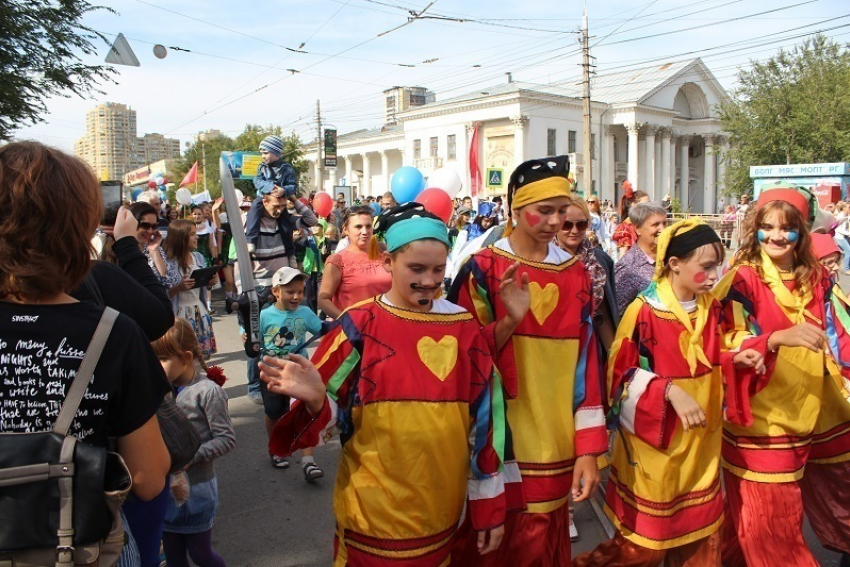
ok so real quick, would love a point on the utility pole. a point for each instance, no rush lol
(204, 151)
(587, 139)
(320, 184)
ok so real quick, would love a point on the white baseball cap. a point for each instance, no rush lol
(285, 275)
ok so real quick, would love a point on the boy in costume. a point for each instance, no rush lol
(408, 378)
(786, 441)
(663, 493)
(549, 366)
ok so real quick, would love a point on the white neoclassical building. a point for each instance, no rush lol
(656, 126)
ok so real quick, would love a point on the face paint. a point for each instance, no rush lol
(793, 235)
(700, 277)
(532, 220)
(761, 235)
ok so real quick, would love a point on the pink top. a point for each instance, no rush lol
(362, 278)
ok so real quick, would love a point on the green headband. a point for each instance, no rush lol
(416, 228)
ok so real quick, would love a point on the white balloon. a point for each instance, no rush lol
(183, 196)
(446, 179)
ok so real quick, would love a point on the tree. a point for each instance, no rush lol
(211, 148)
(792, 108)
(41, 42)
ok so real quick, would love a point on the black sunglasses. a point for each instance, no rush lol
(148, 226)
(580, 225)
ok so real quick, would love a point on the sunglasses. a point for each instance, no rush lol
(148, 226)
(580, 225)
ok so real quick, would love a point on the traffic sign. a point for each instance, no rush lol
(494, 177)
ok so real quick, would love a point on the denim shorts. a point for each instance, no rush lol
(197, 514)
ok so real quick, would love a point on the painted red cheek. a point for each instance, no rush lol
(532, 220)
(700, 278)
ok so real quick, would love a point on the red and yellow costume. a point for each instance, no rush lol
(551, 375)
(407, 390)
(625, 235)
(786, 444)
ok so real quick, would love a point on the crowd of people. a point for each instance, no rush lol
(481, 372)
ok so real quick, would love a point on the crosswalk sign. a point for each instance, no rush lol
(494, 177)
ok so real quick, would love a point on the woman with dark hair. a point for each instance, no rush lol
(356, 272)
(150, 239)
(785, 440)
(624, 235)
(51, 211)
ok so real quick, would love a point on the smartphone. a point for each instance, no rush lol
(111, 191)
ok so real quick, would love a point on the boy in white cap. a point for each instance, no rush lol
(283, 327)
(274, 176)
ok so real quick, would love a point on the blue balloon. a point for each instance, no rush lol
(406, 184)
(135, 193)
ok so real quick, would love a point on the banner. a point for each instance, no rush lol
(474, 166)
(242, 165)
(330, 147)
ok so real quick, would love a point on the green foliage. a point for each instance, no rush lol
(248, 141)
(676, 205)
(41, 42)
(792, 108)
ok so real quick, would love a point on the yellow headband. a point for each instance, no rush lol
(548, 188)
(666, 236)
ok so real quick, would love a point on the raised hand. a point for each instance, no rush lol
(687, 408)
(514, 294)
(294, 376)
(125, 224)
(156, 241)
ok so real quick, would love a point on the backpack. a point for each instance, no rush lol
(60, 499)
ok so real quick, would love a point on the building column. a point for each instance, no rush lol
(520, 124)
(721, 165)
(671, 166)
(366, 182)
(318, 177)
(607, 166)
(684, 171)
(709, 176)
(649, 184)
(332, 178)
(385, 170)
(658, 162)
(348, 170)
(634, 159)
(664, 170)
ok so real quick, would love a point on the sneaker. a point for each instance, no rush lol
(255, 397)
(312, 472)
(279, 462)
(573, 531)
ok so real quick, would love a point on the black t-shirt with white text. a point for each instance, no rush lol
(41, 349)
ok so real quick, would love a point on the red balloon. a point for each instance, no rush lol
(436, 201)
(304, 201)
(152, 184)
(323, 204)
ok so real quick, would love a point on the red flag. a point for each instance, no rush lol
(474, 169)
(191, 177)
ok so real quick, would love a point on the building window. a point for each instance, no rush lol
(616, 150)
(551, 142)
(435, 146)
(417, 149)
(593, 146)
(451, 146)
(571, 142)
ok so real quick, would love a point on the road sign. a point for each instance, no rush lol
(494, 177)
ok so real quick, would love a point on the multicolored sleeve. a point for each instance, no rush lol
(740, 331)
(837, 311)
(638, 396)
(488, 479)
(336, 360)
(472, 291)
(588, 410)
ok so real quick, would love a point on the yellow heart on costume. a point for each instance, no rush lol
(544, 300)
(439, 357)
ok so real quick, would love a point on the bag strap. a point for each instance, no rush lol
(84, 374)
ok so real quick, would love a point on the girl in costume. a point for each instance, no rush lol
(625, 236)
(408, 378)
(663, 492)
(549, 365)
(786, 441)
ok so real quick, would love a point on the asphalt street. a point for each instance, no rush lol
(274, 518)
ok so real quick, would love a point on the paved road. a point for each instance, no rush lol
(273, 518)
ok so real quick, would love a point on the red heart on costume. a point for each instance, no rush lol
(532, 220)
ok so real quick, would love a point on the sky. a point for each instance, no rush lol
(241, 64)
